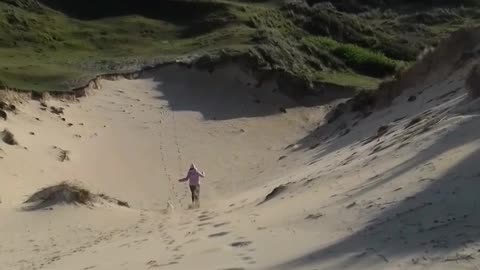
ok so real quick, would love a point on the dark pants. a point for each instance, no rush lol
(195, 194)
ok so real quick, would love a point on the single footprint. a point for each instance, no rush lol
(218, 234)
(152, 262)
(185, 223)
(221, 224)
(241, 244)
(167, 264)
(192, 241)
(178, 257)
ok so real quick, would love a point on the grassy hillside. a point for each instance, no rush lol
(56, 45)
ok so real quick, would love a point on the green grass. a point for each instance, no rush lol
(349, 79)
(42, 49)
(48, 51)
(321, 42)
(365, 61)
(360, 59)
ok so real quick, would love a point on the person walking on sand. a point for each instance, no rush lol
(193, 176)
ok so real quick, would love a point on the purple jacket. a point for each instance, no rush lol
(193, 177)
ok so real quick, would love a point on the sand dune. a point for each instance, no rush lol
(284, 190)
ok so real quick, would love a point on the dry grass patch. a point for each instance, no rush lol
(67, 193)
(11, 97)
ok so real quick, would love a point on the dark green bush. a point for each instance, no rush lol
(365, 61)
(360, 59)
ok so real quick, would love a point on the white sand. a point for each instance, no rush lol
(349, 205)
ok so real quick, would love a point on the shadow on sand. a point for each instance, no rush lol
(226, 93)
(441, 218)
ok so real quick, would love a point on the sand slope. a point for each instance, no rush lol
(398, 190)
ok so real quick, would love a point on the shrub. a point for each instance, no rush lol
(365, 61)
(360, 59)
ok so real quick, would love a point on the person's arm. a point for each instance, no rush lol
(185, 178)
(202, 174)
